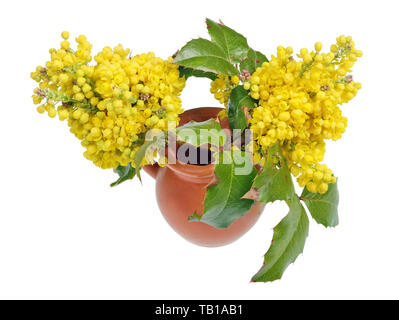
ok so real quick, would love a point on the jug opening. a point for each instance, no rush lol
(192, 155)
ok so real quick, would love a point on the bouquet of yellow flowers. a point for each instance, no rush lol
(278, 113)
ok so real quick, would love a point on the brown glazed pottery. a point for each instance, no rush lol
(180, 191)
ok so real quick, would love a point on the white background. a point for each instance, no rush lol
(64, 233)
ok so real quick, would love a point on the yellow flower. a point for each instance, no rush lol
(235, 80)
(222, 86)
(298, 106)
(65, 35)
(112, 104)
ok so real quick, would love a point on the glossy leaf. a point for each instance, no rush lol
(189, 72)
(274, 182)
(205, 55)
(125, 173)
(223, 204)
(323, 207)
(238, 100)
(288, 242)
(233, 44)
(253, 60)
(199, 133)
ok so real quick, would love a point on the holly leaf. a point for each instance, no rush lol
(253, 60)
(233, 44)
(204, 55)
(274, 182)
(199, 133)
(125, 173)
(147, 150)
(288, 242)
(223, 204)
(323, 207)
(239, 99)
(189, 72)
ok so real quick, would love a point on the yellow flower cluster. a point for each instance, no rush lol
(221, 87)
(298, 106)
(111, 105)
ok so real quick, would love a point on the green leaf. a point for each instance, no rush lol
(223, 204)
(205, 55)
(233, 44)
(199, 133)
(125, 173)
(149, 146)
(288, 242)
(274, 182)
(253, 60)
(189, 72)
(239, 99)
(323, 207)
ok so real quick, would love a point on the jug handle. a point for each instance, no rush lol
(152, 169)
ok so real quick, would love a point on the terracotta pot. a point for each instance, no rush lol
(180, 191)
